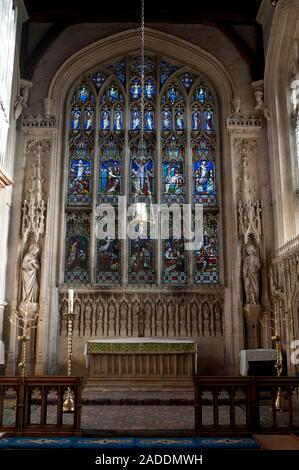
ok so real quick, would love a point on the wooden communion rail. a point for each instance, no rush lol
(19, 396)
(241, 406)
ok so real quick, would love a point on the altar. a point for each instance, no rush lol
(145, 362)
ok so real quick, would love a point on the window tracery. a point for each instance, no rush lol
(105, 161)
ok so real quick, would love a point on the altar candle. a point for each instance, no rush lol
(71, 300)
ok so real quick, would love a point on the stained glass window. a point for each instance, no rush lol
(177, 165)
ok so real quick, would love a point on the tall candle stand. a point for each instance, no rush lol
(26, 319)
(69, 403)
(280, 403)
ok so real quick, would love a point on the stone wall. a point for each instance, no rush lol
(213, 316)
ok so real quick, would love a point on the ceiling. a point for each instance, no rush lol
(229, 11)
(226, 15)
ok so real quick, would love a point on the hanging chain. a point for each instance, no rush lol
(142, 73)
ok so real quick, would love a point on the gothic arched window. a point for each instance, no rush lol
(176, 166)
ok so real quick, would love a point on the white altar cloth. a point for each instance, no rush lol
(247, 355)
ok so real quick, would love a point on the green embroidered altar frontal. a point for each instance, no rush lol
(141, 348)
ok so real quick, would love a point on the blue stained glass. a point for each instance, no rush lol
(135, 89)
(187, 80)
(204, 177)
(149, 66)
(179, 120)
(89, 119)
(149, 123)
(173, 151)
(173, 178)
(110, 177)
(142, 177)
(209, 120)
(120, 70)
(83, 93)
(166, 119)
(149, 89)
(111, 150)
(172, 93)
(98, 80)
(76, 118)
(113, 93)
(118, 119)
(166, 70)
(196, 120)
(201, 94)
(105, 119)
(80, 171)
(135, 120)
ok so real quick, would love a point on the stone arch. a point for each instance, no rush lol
(277, 81)
(157, 42)
(69, 73)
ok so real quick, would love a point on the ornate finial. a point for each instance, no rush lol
(249, 209)
(34, 208)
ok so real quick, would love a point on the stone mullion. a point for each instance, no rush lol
(158, 174)
(126, 176)
(189, 173)
(95, 182)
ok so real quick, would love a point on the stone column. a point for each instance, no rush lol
(2, 348)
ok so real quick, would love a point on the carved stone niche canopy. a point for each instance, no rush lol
(5, 179)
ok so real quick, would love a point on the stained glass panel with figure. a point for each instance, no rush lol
(77, 258)
(206, 261)
(108, 262)
(173, 170)
(80, 172)
(141, 261)
(173, 261)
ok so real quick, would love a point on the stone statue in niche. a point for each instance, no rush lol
(251, 275)
(30, 269)
(236, 106)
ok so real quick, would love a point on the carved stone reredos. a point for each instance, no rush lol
(188, 315)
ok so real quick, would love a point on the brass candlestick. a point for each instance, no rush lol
(280, 404)
(25, 319)
(69, 403)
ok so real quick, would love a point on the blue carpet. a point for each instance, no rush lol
(128, 443)
(227, 443)
(105, 443)
(172, 442)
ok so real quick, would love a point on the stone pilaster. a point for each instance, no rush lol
(252, 319)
